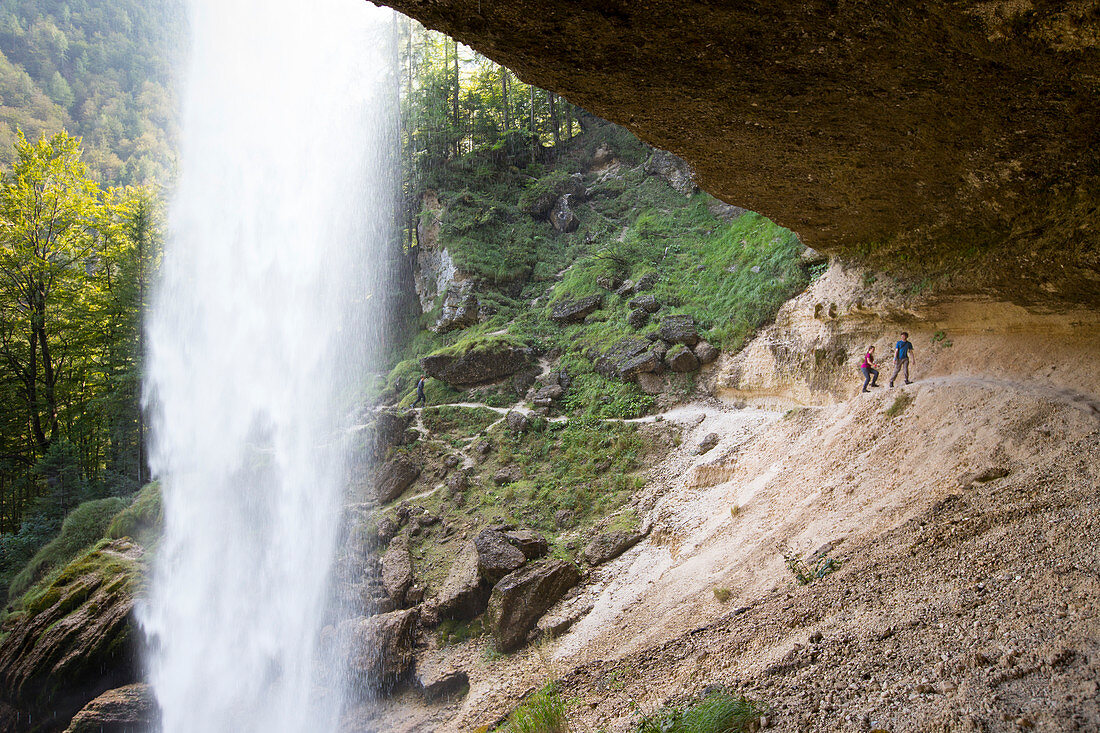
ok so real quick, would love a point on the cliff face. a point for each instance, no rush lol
(958, 141)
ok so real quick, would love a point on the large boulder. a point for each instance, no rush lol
(122, 710)
(483, 361)
(379, 649)
(522, 597)
(496, 556)
(609, 545)
(397, 570)
(680, 358)
(546, 395)
(76, 639)
(386, 429)
(705, 352)
(647, 361)
(646, 302)
(611, 361)
(394, 477)
(678, 329)
(575, 311)
(463, 594)
(532, 544)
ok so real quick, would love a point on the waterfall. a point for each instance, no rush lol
(269, 305)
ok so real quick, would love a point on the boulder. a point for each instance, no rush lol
(460, 308)
(609, 545)
(650, 383)
(507, 475)
(121, 710)
(707, 443)
(676, 171)
(77, 639)
(610, 362)
(397, 570)
(811, 256)
(678, 329)
(532, 544)
(560, 620)
(563, 217)
(646, 302)
(705, 352)
(496, 556)
(487, 360)
(394, 477)
(680, 358)
(437, 682)
(647, 361)
(387, 429)
(609, 282)
(516, 421)
(645, 282)
(638, 318)
(542, 206)
(379, 648)
(575, 311)
(725, 212)
(522, 597)
(625, 289)
(548, 394)
(463, 594)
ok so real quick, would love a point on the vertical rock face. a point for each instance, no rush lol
(76, 640)
(931, 138)
(379, 648)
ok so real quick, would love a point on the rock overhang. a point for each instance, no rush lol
(958, 142)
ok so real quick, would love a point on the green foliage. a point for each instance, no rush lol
(460, 422)
(84, 526)
(542, 712)
(902, 401)
(721, 594)
(805, 574)
(109, 567)
(718, 712)
(142, 520)
(452, 631)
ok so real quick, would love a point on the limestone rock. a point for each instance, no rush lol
(647, 361)
(674, 170)
(707, 443)
(638, 318)
(625, 289)
(679, 329)
(507, 475)
(543, 205)
(522, 597)
(496, 556)
(725, 212)
(646, 302)
(397, 571)
(394, 477)
(77, 640)
(679, 358)
(558, 621)
(488, 360)
(122, 710)
(387, 429)
(612, 362)
(645, 282)
(380, 648)
(609, 282)
(609, 545)
(516, 421)
(545, 396)
(461, 308)
(464, 593)
(563, 217)
(574, 311)
(705, 352)
(532, 544)
(437, 682)
(650, 383)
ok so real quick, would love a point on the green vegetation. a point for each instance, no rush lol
(721, 594)
(142, 520)
(805, 574)
(458, 422)
(110, 567)
(902, 401)
(456, 632)
(718, 712)
(542, 712)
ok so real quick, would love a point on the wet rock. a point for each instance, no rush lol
(609, 545)
(122, 710)
(638, 318)
(77, 640)
(543, 205)
(562, 217)
(397, 571)
(646, 302)
(532, 544)
(460, 308)
(575, 311)
(707, 443)
(678, 329)
(394, 477)
(379, 648)
(496, 556)
(387, 429)
(681, 359)
(705, 352)
(674, 170)
(463, 594)
(488, 360)
(516, 421)
(522, 597)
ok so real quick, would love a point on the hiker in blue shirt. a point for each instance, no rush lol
(901, 357)
(420, 391)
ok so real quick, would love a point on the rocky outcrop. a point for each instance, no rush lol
(522, 597)
(496, 556)
(674, 170)
(461, 308)
(486, 361)
(122, 710)
(849, 124)
(705, 352)
(379, 649)
(563, 217)
(516, 421)
(397, 570)
(609, 545)
(625, 359)
(394, 477)
(680, 358)
(532, 544)
(76, 639)
(463, 594)
(542, 206)
(678, 329)
(575, 311)
(388, 428)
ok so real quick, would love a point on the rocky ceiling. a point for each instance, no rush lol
(952, 143)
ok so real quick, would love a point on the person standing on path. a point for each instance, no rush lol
(420, 391)
(869, 369)
(901, 357)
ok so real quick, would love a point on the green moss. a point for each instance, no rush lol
(72, 583)
(462, 422)
(143, 520)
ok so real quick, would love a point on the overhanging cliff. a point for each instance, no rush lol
(955, 141)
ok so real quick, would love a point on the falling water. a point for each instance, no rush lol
(269, 304)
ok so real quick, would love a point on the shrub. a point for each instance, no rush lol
(543, 712)
(143, 520)
(805, 574)
(84, 526)
(718, 712)
(903, 400)
(722, 594)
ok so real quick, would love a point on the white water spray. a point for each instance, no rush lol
(269, 302)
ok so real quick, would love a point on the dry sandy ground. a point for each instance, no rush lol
(968, 528)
